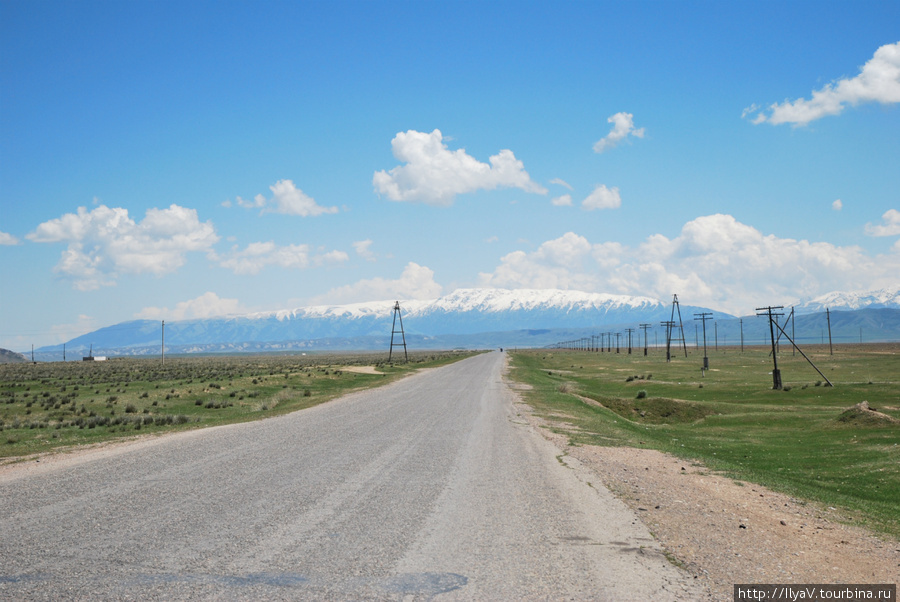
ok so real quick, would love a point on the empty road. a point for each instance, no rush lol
(428, 488)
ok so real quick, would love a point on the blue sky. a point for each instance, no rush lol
(170, 160)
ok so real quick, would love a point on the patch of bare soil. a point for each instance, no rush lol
(360, 369)
(725, 532)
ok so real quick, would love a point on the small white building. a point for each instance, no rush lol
(94, 358)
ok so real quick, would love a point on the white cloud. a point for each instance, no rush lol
(416, 282)
(207, 305)
(890, 227)
(878, 81)
(105, 241)
(715, 261)
(259, 255)
(286, 199)
(837, 205)
(7, 239)
(258, 202)
(561, 182)
(435, 175)
(623, 126)
(562, 201)
(363, 249)
(290, 200)
(602, 198)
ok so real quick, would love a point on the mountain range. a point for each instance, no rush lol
(465, 318)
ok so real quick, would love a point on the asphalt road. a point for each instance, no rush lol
(430, 488)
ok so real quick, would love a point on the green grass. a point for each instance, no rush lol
(801, 440)
(48, 406)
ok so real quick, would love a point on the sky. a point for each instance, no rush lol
(172, 160)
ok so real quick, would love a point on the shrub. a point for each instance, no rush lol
(642, 394)
(130, 409)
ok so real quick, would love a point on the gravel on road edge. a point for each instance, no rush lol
(724, 531)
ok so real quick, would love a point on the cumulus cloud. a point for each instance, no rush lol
(286, 199)
(715, 261)
(363, 249)
(623, 126)
(602, 198)
(7, 239)
(104, 242)
(434, 175)
(878, 81)
(562, 201)
(416, 282)
(207, 305)
(259, 255)
(837, 205)
(890, 225)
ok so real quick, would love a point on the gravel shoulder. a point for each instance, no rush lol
(725, 532)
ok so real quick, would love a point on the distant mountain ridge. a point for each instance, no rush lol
(463, 318)
(462, 312)
(11, 357)
(836, 300)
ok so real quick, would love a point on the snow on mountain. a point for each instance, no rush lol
(471, 300)
(462, 312)
(848, 301)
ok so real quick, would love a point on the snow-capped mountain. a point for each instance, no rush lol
(844, 301)
(463, 312)
(471, 301)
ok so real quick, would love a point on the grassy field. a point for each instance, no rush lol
(46, 406)
(804, 440)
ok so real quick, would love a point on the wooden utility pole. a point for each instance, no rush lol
(828, 318)
(704, 316)
(645, 327)
(776, 373)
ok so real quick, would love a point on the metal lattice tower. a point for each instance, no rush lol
(394, 331)
(670, 330)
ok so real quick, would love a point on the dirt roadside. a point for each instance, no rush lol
(725, 532)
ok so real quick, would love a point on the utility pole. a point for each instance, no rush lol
(677, 306)
(629, 331)
(668, 324)
(742, 335)
(704, 316)
(645, 327)
(793, 332)
(163, 348)
(828, 317)
(618, 334)
(776, 373)
(395, 331)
